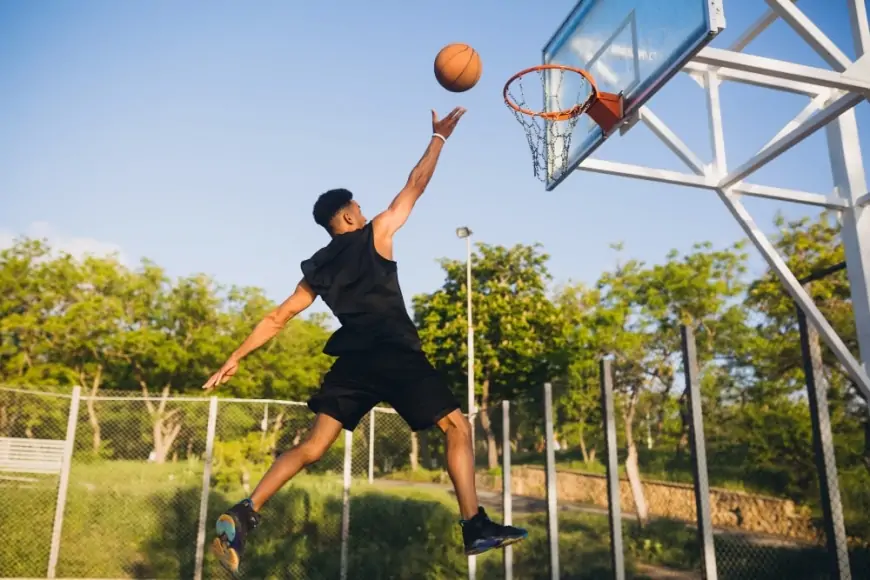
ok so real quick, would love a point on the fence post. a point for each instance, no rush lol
(206, 486)
(345, 501)
(372, 445)
(63, 485)
(699, 455)
(614, 509)
(823, 446)
(506, 494)
(552, 515)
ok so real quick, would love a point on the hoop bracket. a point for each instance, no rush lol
(606, 110)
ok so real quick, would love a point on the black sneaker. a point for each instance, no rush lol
(231, 528)
(481, 534)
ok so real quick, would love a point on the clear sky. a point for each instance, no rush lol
(198, 134)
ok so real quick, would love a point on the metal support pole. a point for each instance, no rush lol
(823, 447)
(699, 455)
(345, 502)
(552, 515)
(371, 446)
(614, 509)
(206, 486)
(850, 182)
(472, 560)
(63, 485)
(506, 494)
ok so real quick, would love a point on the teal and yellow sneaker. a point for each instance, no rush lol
(231, 528)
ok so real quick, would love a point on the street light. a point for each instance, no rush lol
(465, 233)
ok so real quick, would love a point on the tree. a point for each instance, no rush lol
(619, 332)
(808, 246)
(171, 336)
(701, 290)
(576, 393)
(84, 330)
(514, 326)
(30, 293)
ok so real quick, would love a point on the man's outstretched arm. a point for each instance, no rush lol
(394, 217)
(266, 329)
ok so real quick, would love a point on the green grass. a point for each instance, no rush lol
(139, 520)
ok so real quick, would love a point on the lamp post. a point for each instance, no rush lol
(465, 233)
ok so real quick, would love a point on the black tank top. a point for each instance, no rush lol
(361, 287)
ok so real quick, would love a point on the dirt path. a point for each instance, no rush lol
(530, 505)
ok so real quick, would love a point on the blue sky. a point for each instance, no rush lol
(198, 134)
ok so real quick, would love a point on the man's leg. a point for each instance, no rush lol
(234, 525)
(479, 533)
(460, 461)
(423, 399)
(320, 438)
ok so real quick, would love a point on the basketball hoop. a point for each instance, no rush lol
(549, 130)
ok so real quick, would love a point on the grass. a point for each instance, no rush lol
(139, 520)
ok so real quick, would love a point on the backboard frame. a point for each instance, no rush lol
(833, 93)
(714, 15)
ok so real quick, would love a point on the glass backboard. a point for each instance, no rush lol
(628, 46)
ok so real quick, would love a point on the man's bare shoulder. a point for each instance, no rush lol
(383, 235)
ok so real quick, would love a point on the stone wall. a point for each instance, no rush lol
(729, 509)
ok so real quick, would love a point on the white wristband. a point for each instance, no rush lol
(440, 137)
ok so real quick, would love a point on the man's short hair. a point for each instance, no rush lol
(329, 204)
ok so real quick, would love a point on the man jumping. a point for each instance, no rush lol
(379, 357)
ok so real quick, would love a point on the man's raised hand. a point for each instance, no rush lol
(223, 375)
(445, 126)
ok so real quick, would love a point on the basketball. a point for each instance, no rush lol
(457, 67)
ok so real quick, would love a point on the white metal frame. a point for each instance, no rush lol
(63, 484)
(833, 95)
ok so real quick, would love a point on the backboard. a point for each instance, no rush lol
(630, 47)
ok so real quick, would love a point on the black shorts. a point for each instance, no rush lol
(404, 379)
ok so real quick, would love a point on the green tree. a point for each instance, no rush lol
(514, 326)
(84, 329)
(30, 294)
(577, 391)
(701, 290)
(622, 334)
(171, 338)
(808, 245)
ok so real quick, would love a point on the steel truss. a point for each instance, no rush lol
(833, 95)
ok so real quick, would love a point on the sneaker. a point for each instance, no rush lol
(481, 534)
(231, 528)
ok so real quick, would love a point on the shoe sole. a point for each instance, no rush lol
(221, 548)
(501, 543)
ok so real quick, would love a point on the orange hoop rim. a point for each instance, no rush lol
(562, 115)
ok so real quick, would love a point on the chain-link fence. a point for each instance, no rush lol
(32, 434)
(148, 475)
(300, 530)
(115, 485)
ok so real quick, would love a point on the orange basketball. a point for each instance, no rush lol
(457, 67)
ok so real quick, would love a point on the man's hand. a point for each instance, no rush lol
(388, 222)
(445, 126)
(223, 375)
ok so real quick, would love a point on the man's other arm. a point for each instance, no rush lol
(277, 319)
(266, 329)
